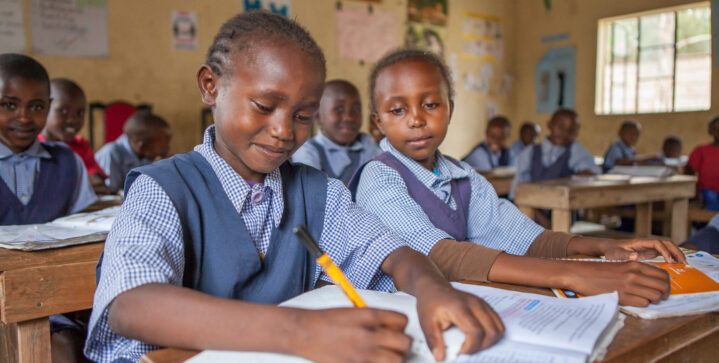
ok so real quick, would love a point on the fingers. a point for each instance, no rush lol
(435, 341)
(393, 340)
(385, 318)
(675, 251)
(490, 321)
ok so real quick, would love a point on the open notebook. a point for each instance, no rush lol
(71, 230)
(538, 328)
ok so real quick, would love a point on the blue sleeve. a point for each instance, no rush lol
(478, 158)
(382, 191)
(582, 160)
(308, 155)
(111, 164)
(84, 194)
(613, 153)
(496, 223)
(524, 170)
(356, 240)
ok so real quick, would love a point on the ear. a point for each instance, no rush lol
(451, 110)
(375, 119)
(207, 83)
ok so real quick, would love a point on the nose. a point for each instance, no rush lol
(282, 127)
(416, 118)
(22, 114)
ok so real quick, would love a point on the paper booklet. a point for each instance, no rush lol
(71, 230)
(694, 288)
(538, 328)
(643, 170)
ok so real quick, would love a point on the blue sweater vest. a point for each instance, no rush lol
(347, 173)
(558, 169)
(220, 256)
(53, 192)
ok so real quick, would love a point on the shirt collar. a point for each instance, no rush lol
(124, 141)
(331, 145)
(447, 169)
(548, 145)
(233, 184)
(35, 150)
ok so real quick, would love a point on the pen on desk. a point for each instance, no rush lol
(330, 268)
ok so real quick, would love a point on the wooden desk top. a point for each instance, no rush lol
(570, 193)
(639, 341)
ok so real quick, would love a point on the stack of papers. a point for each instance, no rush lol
(538, 328)
(644, 170)
(66, 231)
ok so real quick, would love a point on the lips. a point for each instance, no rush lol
(23, 132)
(273, 152)
(419, 141)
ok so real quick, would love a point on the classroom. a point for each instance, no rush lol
(359, 180)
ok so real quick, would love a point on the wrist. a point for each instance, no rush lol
(589, 246)
(299, 336)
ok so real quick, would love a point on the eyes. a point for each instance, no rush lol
(302, 116)
(64, 111)
(402, 110)
(12, 106)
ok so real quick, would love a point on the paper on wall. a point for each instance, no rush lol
(184, 29)
(365, 36)
(69, 28)
(12, 26)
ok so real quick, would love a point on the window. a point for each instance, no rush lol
(658, 61)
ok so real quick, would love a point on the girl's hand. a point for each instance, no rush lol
(441, 308)
(638, 284)
(352, 335)
(644, 249)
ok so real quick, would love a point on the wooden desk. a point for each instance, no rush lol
(35, 285)
(690, 339)
(502, 182)
(564, 195)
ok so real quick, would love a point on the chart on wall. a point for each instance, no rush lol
(184, 29)
(482, 37)
(363, 35)
(282, 7)
(12, 26)
(69, 28)
(554, 79)
(427, 25)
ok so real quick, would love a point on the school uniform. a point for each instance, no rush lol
(707, 238)
(482, 157)
(517, 147)
(192, 221)
(546, 161)
(455, 202)
(44, 182)
(703, 160)
(338, 161)
(618, 150)
(82, 148)
(117, 159)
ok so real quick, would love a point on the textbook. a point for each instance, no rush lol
(71, 230)
(694, 288)
(538, 327)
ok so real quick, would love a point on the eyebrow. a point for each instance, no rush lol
(273, 95)
(11, 98)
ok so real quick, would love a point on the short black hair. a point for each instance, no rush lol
(529, 125)
(564, 112)
(245, 30)
(499, 120)
(669, 140)
(14, 65)
(343, 83)
(408, 54)
(712, 121)
(66, 86)
(630, 124)
(144, 124)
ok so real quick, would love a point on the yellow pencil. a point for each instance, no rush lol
(330, 268)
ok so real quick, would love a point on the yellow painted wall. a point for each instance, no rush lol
(143, 67)
(580, 18)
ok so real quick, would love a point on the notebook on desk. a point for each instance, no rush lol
(537, 326)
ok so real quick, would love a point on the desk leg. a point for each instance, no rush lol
(667, 222)
(27, 341)
(680, 217)
(643, 222)
(561, 220)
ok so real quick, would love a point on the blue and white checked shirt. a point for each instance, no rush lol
(618, 150)
(145, 244)
(580, 160)
(492, 222)
(117, 159)
(336, 154)
(19, 172)
(481, 159)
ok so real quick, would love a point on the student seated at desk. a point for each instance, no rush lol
(622, 152)
(557, 156)
(707, 238)
(145, 138)
(527, 136)
(339, 148)
(41, 180)
(65, 119)
(203, 246)
(493, 151)
(445, 209)
(704, 161)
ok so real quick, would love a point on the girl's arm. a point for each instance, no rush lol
(635, 249)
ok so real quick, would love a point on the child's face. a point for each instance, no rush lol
(23, 111)
(629, 135)
(563, 130)
(714, 131)
(528, 135)
(340, 113)
(67, 115)
(672, 150)
(262, 106)
(413, 108)
(497, 137)
(158, 146)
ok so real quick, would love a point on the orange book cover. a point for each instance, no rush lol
(686, 279)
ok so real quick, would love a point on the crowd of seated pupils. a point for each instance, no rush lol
(408, 207)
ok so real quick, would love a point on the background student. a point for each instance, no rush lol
(493, 151)
(339, 148)
(704, 161)
(203, 245)
(65, 119)
(446, 210)
(145, 138)
(527, 136)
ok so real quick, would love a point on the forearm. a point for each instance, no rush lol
(580, 245)
(522, 270)
(413, 271)
(173, 316)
